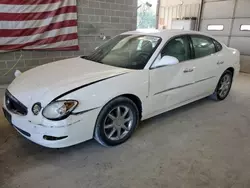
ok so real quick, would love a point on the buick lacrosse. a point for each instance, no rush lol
(132, 77)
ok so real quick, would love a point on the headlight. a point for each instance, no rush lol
(59, 110)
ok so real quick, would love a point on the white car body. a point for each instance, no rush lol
(94, 85)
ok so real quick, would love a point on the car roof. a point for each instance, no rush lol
(164, 34)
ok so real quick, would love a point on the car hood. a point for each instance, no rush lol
(48, 81)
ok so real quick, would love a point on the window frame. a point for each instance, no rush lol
(192, 52)
(206, 37)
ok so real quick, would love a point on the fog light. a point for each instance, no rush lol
(36, 108)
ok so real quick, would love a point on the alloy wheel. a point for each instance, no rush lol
(118, 123)
(225, 85)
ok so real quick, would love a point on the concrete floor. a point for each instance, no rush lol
(204, 144)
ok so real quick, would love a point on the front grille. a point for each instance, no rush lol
(14, 105)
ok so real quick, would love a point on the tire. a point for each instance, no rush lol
(116, 122)
(218, 94)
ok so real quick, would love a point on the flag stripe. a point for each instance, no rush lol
(27, 2)
(41, 42)
(35, 8)
(38, 23)
(27, 39)
(34, 31)
(36, 16)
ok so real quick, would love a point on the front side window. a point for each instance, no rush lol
(203, 46)
(126, 51)
(178, 47)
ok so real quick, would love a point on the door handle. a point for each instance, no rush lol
(188, 70)
(220, 62)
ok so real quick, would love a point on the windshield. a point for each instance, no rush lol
(126, 51)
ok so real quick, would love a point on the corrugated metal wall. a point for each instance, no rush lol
(232, 15)
(168, 13)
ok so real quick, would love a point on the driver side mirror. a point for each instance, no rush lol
(165, 61)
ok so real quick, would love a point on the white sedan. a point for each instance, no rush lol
(132, 77)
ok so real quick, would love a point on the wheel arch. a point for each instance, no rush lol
(133, 98)
(231, 69)
(136, 100)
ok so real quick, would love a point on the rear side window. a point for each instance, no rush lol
(203, 46)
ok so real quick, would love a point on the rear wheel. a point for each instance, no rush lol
(116, 122)
(224, 86)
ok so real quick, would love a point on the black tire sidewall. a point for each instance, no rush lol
(105, 110)
(217, 93)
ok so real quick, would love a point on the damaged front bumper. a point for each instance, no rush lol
(55, 134)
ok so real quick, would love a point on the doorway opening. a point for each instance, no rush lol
(146, 14)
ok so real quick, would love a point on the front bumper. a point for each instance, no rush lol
(58, 136)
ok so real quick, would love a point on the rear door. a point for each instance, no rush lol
(207, 62)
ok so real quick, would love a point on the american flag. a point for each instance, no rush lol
(38, 24)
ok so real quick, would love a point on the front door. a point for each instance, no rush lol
(172, 85)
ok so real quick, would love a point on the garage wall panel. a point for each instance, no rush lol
(238, 12)
(242, 9)
(222, 39)
(241, 43)
(237, 25)
(225, 22)
(220, 9)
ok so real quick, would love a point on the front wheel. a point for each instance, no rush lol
(224, 86)
(116, 122)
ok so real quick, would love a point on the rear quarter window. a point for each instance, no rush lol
(218, 46)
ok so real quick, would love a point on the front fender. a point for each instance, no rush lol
(98, 94)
